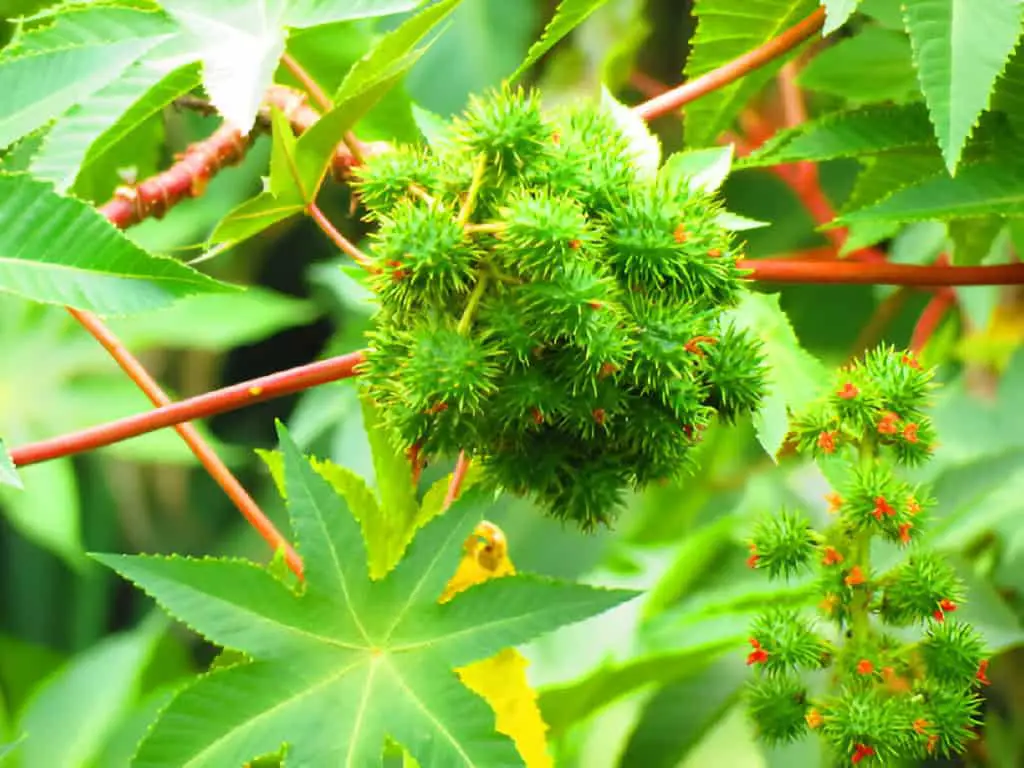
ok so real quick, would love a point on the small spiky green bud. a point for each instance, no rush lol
(783, 544)
(779, 708)
(953, 651)
(784, 641)
(924, 587)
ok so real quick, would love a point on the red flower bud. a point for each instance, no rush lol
(860, 752)
(848, 392)
(865, 667)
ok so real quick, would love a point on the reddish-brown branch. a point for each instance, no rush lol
(344, 244)
(457, 478)
(200, 448)
(931, 318)
(875, 273)
(735, 69)
(199, 407)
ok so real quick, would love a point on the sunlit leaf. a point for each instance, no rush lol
(8, 473)
(836, 13)
(960, 48)
(794, 375)
(311, 13)
(378, 656)
(703, 169)
(569, 15)
(725, 30)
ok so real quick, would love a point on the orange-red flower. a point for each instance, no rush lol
(910, 433)
(754, 557)
(865, 667)
(814, 718)
(848, 391)
(920, 725)
(909, 360)
(905, 532)
(757, 656)
(855, 577)
(832, 556)
(827, 442)
(882, 507)
(982, 676)
(860, 752)
(835, 501)
(888, 424)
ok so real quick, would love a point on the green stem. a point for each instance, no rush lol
(860, 555)
(474, 191)
(474, 301)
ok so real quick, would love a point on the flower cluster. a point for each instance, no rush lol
(549, 308)
(888, 698)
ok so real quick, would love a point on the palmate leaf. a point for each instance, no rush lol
(298, 166)
(89, 129)
(569, 15)
(989, 188)
(58, 250)
(882, 61)
(727, 29)
(1008, 96)
(50, 70)
(960, 48)
(336, 668)
(849, 133)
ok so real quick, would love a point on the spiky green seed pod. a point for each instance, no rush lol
(778, 707)
(521, 319)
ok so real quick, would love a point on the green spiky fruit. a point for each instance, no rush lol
(549, 308)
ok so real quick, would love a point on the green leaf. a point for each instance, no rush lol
(973, 238)
(1008, 96)
(53, 68)
(58, 250)
(727, 29)
(8, 473)
(400, 508)
(960, 48)
(6, 750)
(990, 188)
(794, 375)
(569, 15)
(703, 169)
(881, 60)
(837, 12)
(850, 133)
(90, 129)
(312, 13)
(364, 85)
(736, 223)
(47, 512)
(215, 322)
(70, 716)
(644, 146)
(885, 173)
(377, 655)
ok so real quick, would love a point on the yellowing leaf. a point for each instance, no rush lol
(500, 680)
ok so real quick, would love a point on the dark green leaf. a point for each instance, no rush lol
(725, 30)
(852, 133)
(874, 65)
(58, 250)
(973, 238)
(991, 188)
(569, 15)
(960, 48)
(1008, 96)
(47, 511)
(887, 172)
(8, 473)
(378, 655)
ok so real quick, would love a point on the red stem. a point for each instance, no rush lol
(344, 244)
(931, 318)
(199, 407)
(735, 69)
(880, 273)
(455, 483)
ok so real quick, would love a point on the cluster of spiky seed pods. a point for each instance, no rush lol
(900, 673)
(551, 307)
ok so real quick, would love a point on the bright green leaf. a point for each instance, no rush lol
(960, 48)
(378, 655)
(992, 188)
(312, 13)
(1008, 96)
(55, 67)
(8, 473)
(215, 322)
(644, 146)
(91, 128)
(368, 80)
(736, 223)
(852, 133)
(836, 13)
(794, 375)
(726, 30)
(47, 512)
(569, 15)
(71, 715)
(873, 65)
(703, 169)
(885, 173)
(58, 250)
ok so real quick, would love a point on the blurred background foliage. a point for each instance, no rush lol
(656, 683)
